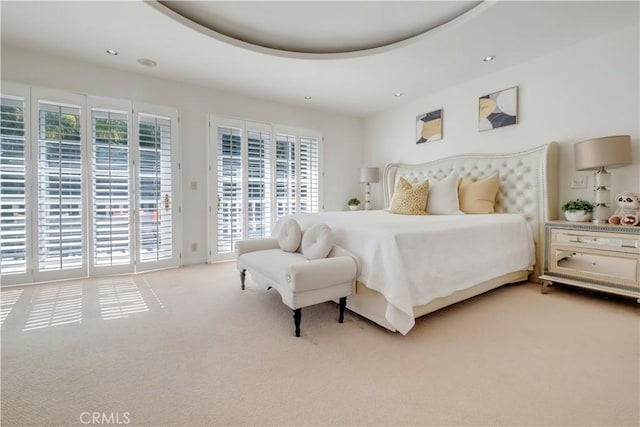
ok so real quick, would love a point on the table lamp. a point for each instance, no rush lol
(596, 154)
(367, 176)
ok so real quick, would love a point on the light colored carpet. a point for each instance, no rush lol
(188, 347)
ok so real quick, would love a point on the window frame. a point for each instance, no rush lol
(112, 104)
(56, 96)
(246, 126)
(15, 90)
(32, 97)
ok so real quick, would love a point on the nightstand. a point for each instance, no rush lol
(593, 256)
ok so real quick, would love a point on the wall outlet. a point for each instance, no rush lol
(194, 185)
(194, 247)
(579, 181)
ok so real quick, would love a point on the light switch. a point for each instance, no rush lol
(579, 181)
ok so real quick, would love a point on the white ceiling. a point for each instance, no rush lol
(358, 84)
(320, 27)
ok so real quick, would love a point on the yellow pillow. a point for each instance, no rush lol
(409, 199)
(479, 197)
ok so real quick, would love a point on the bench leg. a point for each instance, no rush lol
(297, 315)
(343, 305)
(243, 273)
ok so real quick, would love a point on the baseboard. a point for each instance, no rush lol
(193, 261)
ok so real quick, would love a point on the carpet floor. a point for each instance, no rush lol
(188, 347)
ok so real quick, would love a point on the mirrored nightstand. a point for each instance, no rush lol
(593, 256)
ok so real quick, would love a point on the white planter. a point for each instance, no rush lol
(577, 216)
(354, 208)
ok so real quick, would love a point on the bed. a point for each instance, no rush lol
(414, 265)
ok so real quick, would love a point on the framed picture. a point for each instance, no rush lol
(498, 109)
(429, 127)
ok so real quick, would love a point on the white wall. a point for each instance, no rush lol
(586, 91)
(343, 135)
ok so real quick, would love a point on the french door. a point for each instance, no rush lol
(15, 233)
(158, 180)
(112, 186)
(135, 171)
(260, 172)
(59, 242)
(88, 186)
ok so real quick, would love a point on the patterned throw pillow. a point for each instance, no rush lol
(409, 199)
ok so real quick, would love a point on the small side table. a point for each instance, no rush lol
(600, 257)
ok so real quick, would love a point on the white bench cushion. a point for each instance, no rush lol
(272, 263)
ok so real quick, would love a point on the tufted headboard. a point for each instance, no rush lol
(528, 183)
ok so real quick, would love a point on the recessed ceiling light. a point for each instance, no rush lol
(489, 58)
(398, 94)
(307, 97)
(147, 62)
(112, 52)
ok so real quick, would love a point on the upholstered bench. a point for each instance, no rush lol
(300, 281)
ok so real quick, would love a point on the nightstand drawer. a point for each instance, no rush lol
(604, 241)
(613, 267)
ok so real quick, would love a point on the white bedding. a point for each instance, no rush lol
(412, 260)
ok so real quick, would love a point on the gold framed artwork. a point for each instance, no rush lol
(498, 109)
(429, 127)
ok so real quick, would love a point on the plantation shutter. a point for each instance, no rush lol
(13, 225)
(285, 179)
(230, 187)
(258, 182)
(60, 213)
(155, 205)
(309, 174)
(111, 188)
(261, 172)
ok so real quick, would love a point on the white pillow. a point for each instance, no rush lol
(317, 242)
(290, 235)
(443, 196)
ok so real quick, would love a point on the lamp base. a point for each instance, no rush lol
(601, 213)
(367, 196)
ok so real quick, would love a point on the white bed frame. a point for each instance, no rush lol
(528, 186)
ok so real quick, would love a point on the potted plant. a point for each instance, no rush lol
(353, 204)
(577, 210)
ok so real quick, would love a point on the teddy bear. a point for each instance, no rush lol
(628, 212)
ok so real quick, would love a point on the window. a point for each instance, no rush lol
(229, 188)
(309, 176)
(60, 213)
(261, 173)
(258, 184)
(78, 198)
(110, 187)
(13, 222)
(155, 183)
(285, 174)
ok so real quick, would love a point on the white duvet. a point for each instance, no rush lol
(413, 259)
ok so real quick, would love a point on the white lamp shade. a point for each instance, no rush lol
(602, 152)
(369, 174)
